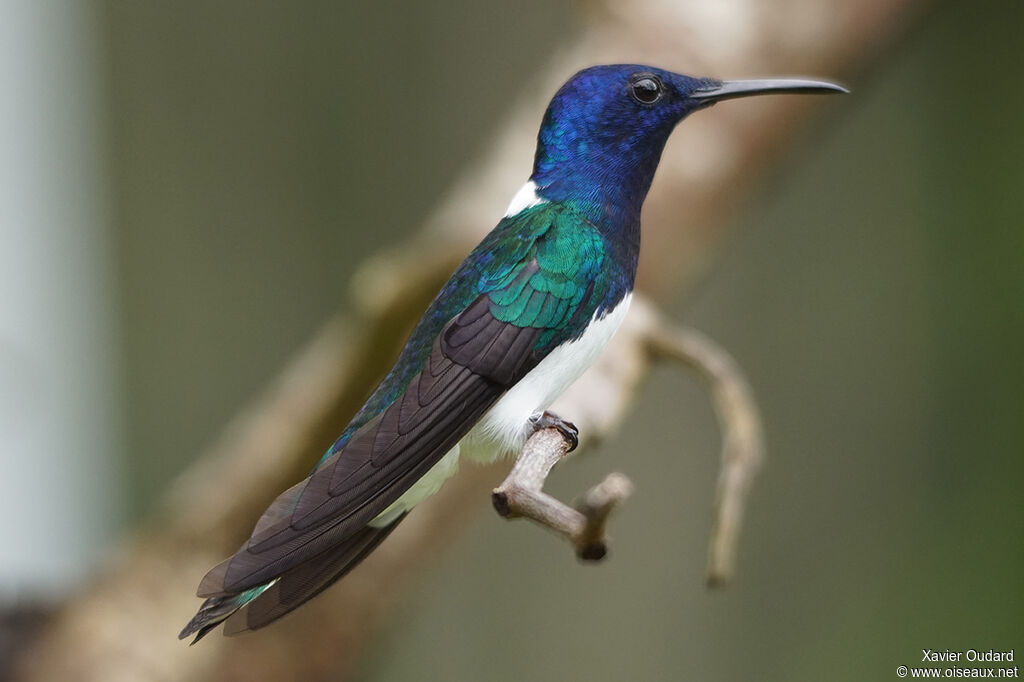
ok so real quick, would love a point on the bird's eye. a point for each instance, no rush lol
(646, 88)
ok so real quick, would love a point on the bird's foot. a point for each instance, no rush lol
(550, 420)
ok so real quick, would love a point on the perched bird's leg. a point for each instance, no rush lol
(550, 420)
(521, 493)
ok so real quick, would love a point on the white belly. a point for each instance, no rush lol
(506, 426)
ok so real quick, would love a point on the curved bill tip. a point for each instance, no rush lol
(765, 86)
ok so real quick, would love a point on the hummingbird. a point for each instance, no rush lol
(519, 321)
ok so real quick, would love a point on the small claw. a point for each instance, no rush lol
(550, 420)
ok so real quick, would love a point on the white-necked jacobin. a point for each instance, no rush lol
(524, 315)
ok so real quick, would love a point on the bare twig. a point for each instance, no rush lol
(742, 435)
(521, 495)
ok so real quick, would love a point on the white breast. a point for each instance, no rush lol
(505, 427)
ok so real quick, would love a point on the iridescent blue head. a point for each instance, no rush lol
(605, 129)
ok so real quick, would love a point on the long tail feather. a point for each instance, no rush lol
(300, 584)
(259, 606)
(216, 610)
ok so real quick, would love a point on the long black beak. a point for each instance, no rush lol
(764, 86)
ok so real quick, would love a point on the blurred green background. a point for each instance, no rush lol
(254, 153)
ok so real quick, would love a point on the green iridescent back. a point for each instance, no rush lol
(562, 295)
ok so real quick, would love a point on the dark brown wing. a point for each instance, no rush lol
(474, 360)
